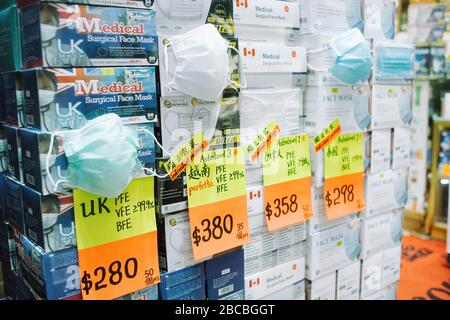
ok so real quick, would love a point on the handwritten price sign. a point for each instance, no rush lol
(287, 182)
(217, 202)
(344, 178)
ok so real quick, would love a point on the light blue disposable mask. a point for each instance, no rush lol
(361, 110)
(394, 62)
(353, 62)
(387, 22)
(351, 243)
(353, 12)
(396, 228)
(401, 193)
(102, 156)
(405, 108)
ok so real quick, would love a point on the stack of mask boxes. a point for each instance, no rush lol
(76, 67)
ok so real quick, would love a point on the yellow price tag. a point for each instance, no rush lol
(327, 135)
(263, 140)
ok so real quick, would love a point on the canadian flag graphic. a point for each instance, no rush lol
(242, 3)
(255, 195)
(254, 283)
(249, 52)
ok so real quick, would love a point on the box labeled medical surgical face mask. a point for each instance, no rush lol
(372, 274)
(52, 36)
(273, 280)
(14, 151)
(184, 284)
(224, 275)
(332, 249)
(150, 293)
(380, 159)
(49, 220)
(171, 196)
(391, 106)
(348, 282)
(349, 104)
(67, 98)
(52, 276)
(391, 270)
(323, 288)
(319, 222)
(330, 16)
(379, 19)
(13, 203)
(35, 147)
(385, 191)
(401, 148)
(13, 98)
(138, 4)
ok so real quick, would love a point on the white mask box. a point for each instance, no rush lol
(391, 106)
(379, 17)
(295, 291)
(372, 275)
(348, 282)
(380, 159)
(401, 148)
(273, 280)
(385, 191)
(174, 242)
(392, 261)
(180, 16)
(320, 222)
(381, 232)
(390, 292)
(323, 288)
(332, 249)
(350, 105)
(330, 16)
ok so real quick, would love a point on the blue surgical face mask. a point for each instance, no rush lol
(361, 110)
(353, 62)
(102, 156)
(401, 193)
(351, 243)
(396, 228)
(394, 62)
(405, 107)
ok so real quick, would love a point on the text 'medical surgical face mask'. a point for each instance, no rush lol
(394, 61)
(102, 156)
(197, 63)
(353, 61)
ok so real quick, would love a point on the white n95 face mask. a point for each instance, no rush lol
(180, 241)
(48, 32)
(198, 65)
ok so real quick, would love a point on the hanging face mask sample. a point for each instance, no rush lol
(64, 99)
(393, 61)
(95, 36)
(330, 16)
(254, 25)
(196, 64)
(391, 106)
(350, 105)
(379, 16)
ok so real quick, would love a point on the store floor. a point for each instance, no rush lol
(424, 274)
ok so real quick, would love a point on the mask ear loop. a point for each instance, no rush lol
(47, 164)
(317, 51)
(241, 75)
(163, 149)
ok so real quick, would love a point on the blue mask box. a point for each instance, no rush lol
(52, 36)
(14, 152)
(150, 293)
(138, 4)
(224, 275)
(9, 37)
(49, 220)
(3, 149)
(13, 98)
(171, 196)
(184, 284)
(13, 203)
(52, 276)
(67, 98)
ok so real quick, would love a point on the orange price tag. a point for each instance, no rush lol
(117, 268)
(287, 203)
(219, 226)
(344, 195)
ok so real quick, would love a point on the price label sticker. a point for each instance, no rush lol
(185, 155)
(327, 135)
(263, 140)
(344, 155)
(287, 182)
(217, 202)
(118, 268)
(101, 220)
(344, 195)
